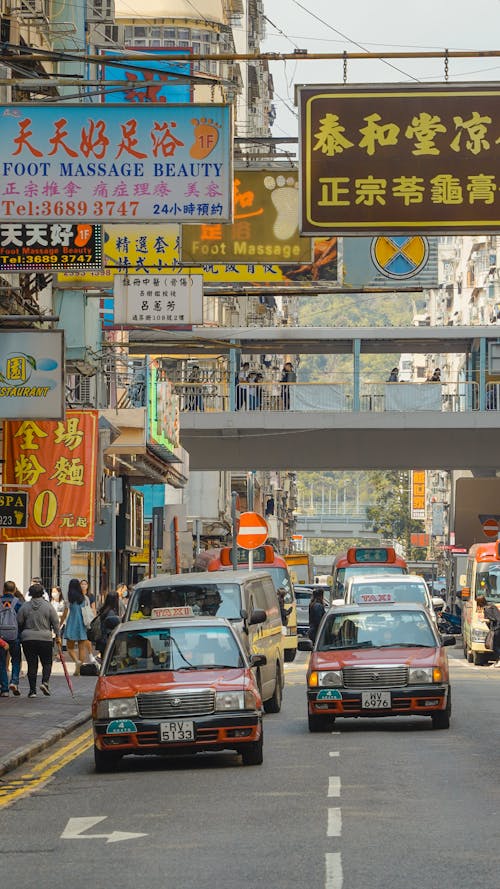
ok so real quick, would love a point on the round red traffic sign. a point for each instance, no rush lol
(490, 528)
(252, 530)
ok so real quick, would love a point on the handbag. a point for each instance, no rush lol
(489, 642)
(87, 613)
(94, 630)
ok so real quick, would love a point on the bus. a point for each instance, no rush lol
(364, 560)
(267, 559)
(482, 579)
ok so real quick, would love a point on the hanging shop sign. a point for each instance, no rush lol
(149, 163)
(397, 159)
(13, 509)
(150, 80)
(163, 412)
(57, 462)
(49, 247)
(418, 494)
(158, 300)
(31, 374)
(265, 226)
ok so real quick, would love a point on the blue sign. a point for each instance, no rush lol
(149, 81)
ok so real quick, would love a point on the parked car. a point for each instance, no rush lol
(247, 599)
(378, 660)
(176, 686)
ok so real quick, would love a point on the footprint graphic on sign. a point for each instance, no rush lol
(83, 235)
(206, 136)
(285, 197)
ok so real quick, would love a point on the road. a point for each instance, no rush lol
(384, 804)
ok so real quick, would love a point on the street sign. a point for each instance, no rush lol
(490, 528)
(13, 509)
(252, 530)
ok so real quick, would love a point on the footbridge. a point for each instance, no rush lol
(350, 423)
(335, 524)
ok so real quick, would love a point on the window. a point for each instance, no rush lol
(183, 34)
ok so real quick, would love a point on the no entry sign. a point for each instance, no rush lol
(252, 531)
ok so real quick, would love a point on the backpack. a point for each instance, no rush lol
(9, 629)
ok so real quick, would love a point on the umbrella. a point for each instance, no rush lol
(63, 662)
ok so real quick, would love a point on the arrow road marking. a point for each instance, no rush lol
(75, 828)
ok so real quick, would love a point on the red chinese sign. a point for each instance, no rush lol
(57, 461)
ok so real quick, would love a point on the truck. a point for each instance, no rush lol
(300, 566)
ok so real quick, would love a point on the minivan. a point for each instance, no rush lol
(247, 599)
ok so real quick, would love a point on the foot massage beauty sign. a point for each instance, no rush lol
(146, 163)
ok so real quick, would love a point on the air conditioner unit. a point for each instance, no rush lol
(81, 390)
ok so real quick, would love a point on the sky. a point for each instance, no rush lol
(322, 26)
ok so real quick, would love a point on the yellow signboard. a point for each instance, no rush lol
(418, 494)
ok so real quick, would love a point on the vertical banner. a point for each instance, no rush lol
(56, 462)
(417, 493)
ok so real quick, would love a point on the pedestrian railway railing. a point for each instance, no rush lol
(372, 397)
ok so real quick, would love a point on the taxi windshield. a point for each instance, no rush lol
(488, 581)
(212, 599)
(376, 629)
(172, 648)
(396, 592)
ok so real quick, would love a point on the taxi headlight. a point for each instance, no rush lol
(330, 679)
(420, 675)
(117, 708)
(234, 700)
(478, 635)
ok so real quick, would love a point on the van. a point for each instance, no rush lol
(246, 598)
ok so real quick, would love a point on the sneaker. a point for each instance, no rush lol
(78, 664)
(14, 689)
(32, 694)
(4, 694)
(45, 688)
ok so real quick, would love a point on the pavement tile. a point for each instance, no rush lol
(29, 725)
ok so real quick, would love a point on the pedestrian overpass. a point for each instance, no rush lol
(350, 424)
(335, 524)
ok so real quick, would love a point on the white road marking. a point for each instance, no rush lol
(333, 870)
(334, 753)
(75, 827)
(334, 828)
(334, 786)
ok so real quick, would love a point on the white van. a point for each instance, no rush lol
(247, 598)
(372, 589)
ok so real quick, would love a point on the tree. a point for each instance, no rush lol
(390, 515)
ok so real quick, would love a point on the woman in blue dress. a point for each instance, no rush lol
(75, 630)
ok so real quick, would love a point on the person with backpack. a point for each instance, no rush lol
(9, 633)
(38, 620)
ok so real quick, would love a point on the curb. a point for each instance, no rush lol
(22, 754)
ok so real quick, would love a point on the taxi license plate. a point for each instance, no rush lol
(180, 730)
(376, 700)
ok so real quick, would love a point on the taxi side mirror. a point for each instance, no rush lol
(257, 616)
(465, 593)
(305, 645)
(448, 640)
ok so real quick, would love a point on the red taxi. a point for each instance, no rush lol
(176, 686)
(378, 660)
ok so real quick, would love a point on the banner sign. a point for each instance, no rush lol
(417, 493)
(57, 461)
(156, 300)
(163, 411)
(152, 163)
(31, 374)
(379, 262)
(265, 227)
(398, 158)
(148, 80)
(46, 247)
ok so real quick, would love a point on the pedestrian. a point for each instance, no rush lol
(259, 387)
(194, 394)
(45, 593)
(252, 391)
(9, 633)
(37, 621)
(316, 612)
(122, 591)
(436, 376)
(75, 630)
(284, 611)
(394, 375)
(57, 600)
(109, 619)
(288, 375)
(241, 386)
(492, 617)
(86, 592)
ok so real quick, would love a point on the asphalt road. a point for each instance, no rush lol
(384, 804)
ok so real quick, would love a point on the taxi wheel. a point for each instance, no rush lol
(105, 761)
(273, 705)
(289, 654)
(442, 719)
(320, 723)
(252, 753)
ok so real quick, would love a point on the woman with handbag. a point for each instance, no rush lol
(75, 630)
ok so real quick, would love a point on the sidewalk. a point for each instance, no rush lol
(28, 725)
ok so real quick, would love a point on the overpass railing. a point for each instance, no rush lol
(374, 396)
